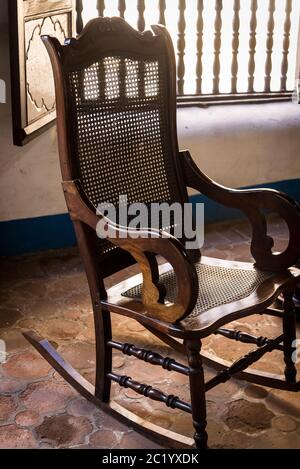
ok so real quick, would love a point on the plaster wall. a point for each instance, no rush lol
(237, 145)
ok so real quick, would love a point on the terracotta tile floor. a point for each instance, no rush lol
(48, 292)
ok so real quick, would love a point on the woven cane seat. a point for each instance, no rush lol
(217, 286)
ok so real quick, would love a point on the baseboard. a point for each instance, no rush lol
(36, 234)
(56, 231)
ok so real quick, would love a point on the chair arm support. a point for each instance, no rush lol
(251, 201)
(142, 245)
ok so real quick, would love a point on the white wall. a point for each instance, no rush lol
(243, 145)
(235, 145)
(29, 175)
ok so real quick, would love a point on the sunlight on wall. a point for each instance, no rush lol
(151, 17)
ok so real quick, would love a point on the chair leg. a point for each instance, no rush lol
(197, 390)
(289, 330)
(103, 353)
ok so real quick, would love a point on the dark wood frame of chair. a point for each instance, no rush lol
(171, 324)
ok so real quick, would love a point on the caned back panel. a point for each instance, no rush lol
(119, 119)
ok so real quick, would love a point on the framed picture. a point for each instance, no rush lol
(33, 97)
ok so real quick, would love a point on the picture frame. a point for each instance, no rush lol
(32, 86)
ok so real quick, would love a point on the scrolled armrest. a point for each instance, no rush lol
(141, 244)
(251, 201)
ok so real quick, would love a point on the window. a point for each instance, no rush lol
(224, 47)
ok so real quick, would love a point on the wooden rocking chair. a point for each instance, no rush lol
(116, 121)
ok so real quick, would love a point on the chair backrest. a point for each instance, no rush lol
(116, 108)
